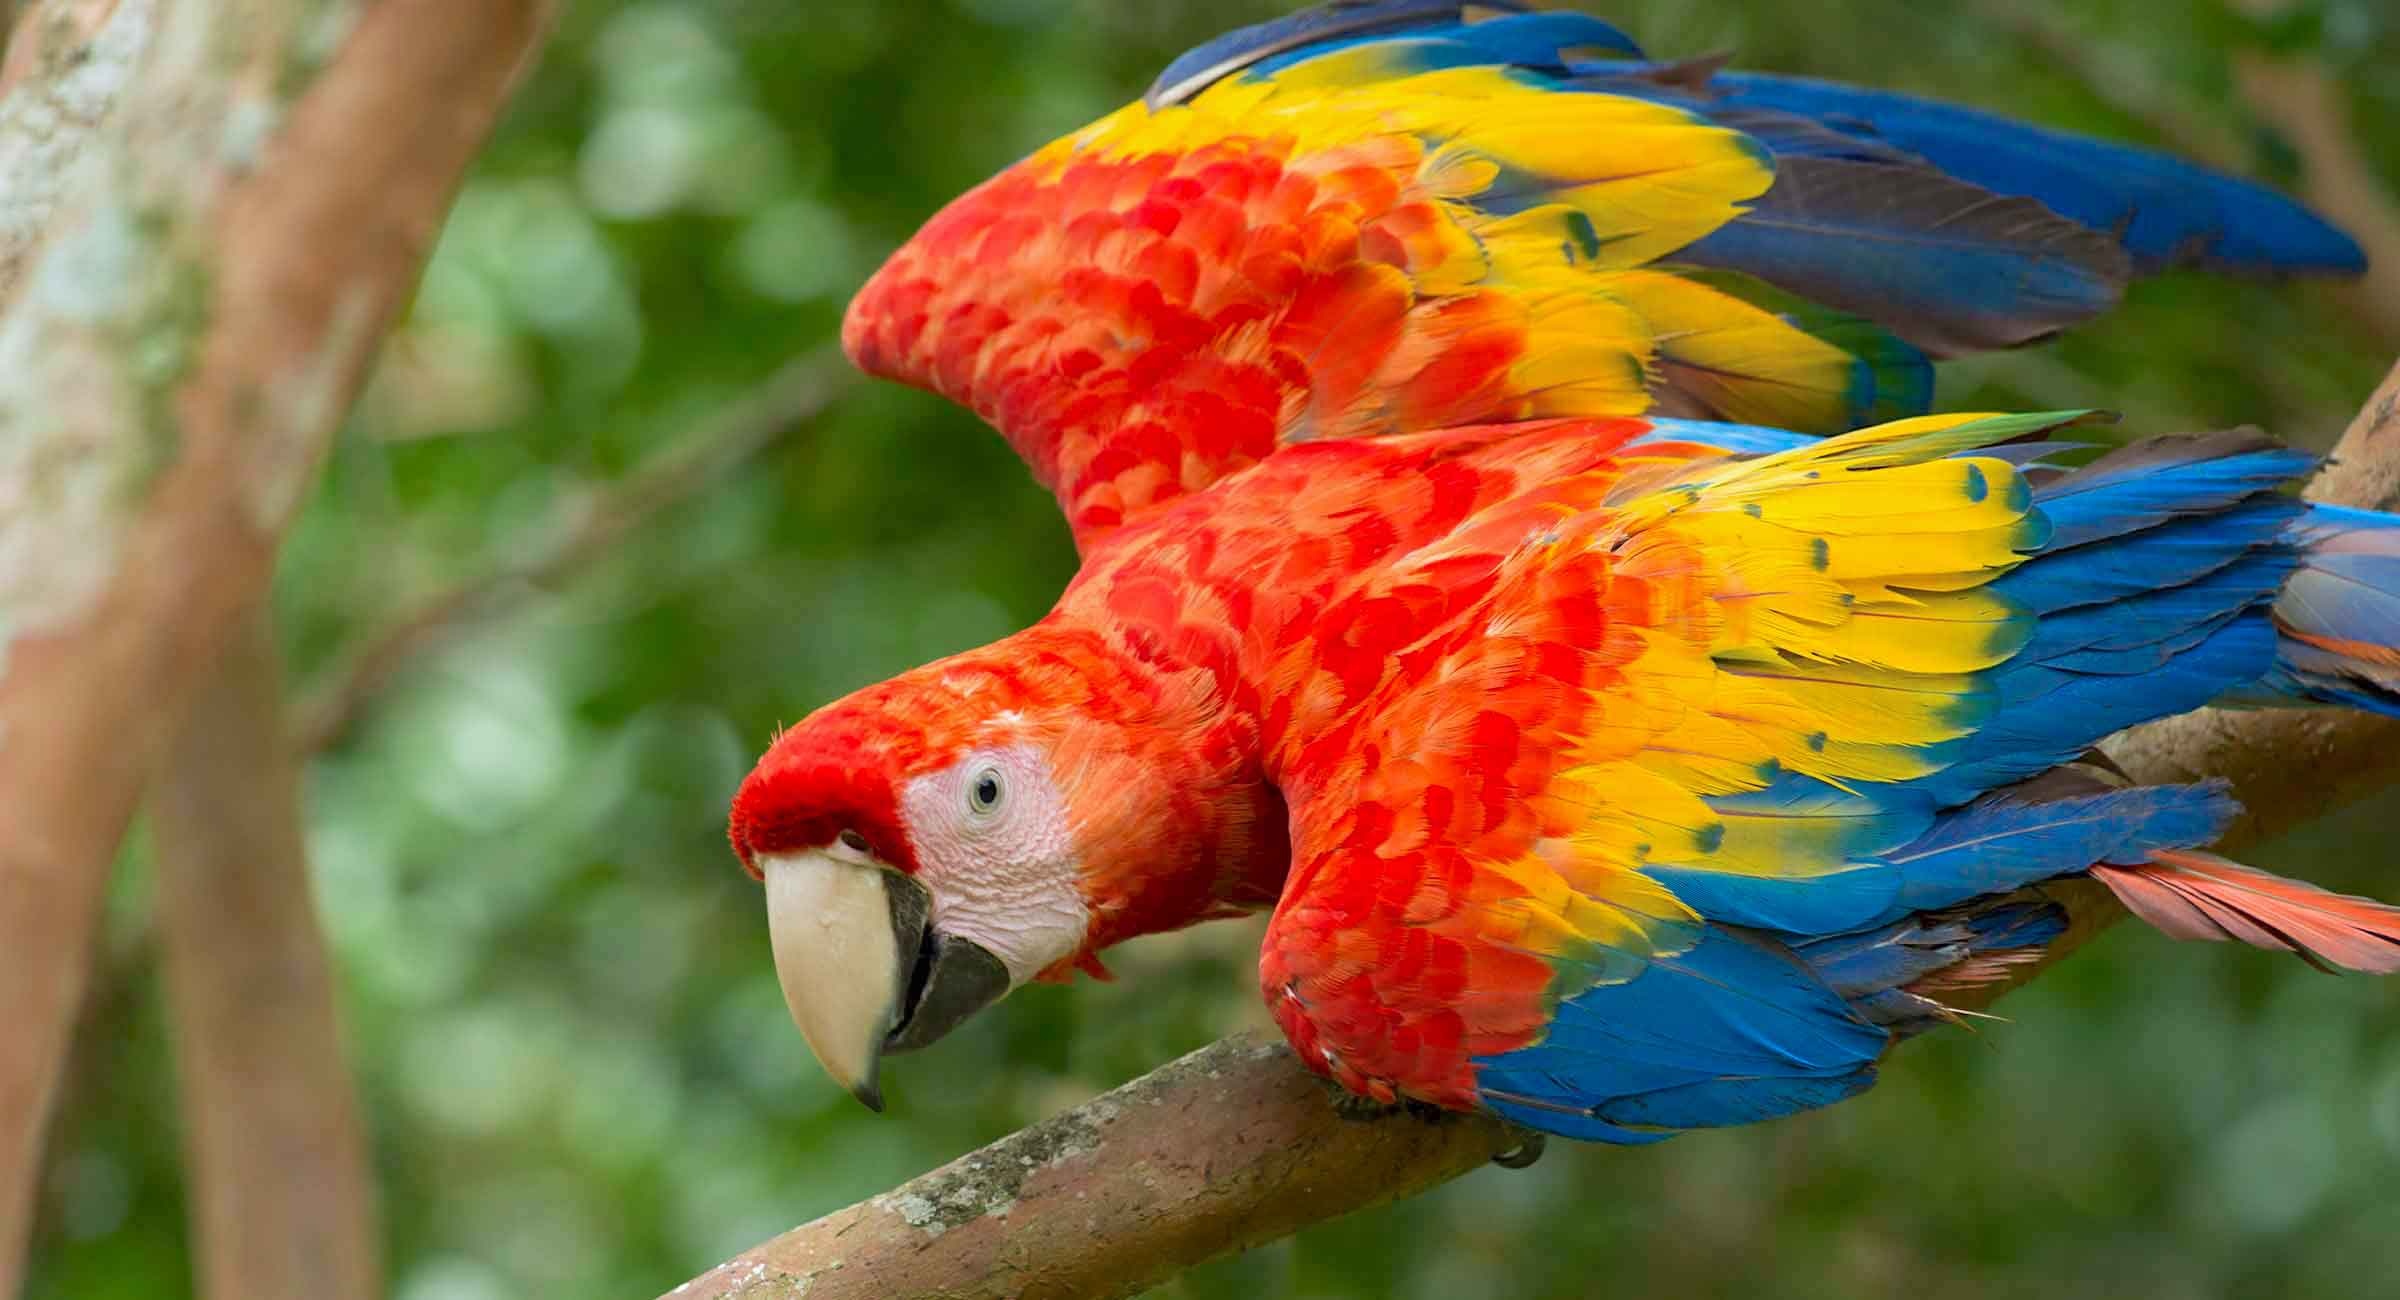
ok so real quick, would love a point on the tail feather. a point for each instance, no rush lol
(2190, 895)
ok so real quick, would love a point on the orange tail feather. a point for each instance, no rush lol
(2201, 896)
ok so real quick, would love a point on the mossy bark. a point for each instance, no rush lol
(214, 207)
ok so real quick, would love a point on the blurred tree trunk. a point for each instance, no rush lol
(283, 1199)
(2306, 101)
(1234, 1146)
(213, 208)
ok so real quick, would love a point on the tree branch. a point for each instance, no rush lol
(585, 527)
(1228, 1148)
(191, 321)
(1234, 1145)
(283, 1197)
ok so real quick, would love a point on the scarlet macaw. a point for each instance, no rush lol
(1618, 771)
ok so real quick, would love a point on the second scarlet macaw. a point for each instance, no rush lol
(1618, 772)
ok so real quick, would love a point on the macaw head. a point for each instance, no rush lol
(931, 843)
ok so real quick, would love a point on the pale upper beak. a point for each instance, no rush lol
(862, 967)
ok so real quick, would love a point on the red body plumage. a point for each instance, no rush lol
(1624, 774)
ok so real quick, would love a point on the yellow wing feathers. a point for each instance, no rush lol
(1821, 613)
(1558, 202)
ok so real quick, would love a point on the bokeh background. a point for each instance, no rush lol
(579, 1076)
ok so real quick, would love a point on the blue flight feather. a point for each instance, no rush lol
(1861, 964)
(1984, 848)
(1731, 1012)
(2160, 479)
(2166, 556)
(1741, 439)
(2158, 621)
(1531, 40)
(1998, 845)
(1828, 904)
(1719, 1103)
(2048, 716)
(2165, 211)
(1948, 266)
(2150, 595)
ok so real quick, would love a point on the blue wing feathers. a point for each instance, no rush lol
(1985, 848)
(1530, 40)
(1865, 964)
(2340, 612)
(1957, 229)
(1731, 1031)
(1741, 439)
(1833, 903)
(1948, 266)
(2169, 555)
(2048, 716)
(1995, 846)
(2159, 479)
(2148, 629)
(1721, 1102)
(2151, 597)
(2165, 211)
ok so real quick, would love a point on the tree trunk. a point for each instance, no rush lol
(224, 200)
(282, 1191)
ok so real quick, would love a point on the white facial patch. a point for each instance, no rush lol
(992, 844)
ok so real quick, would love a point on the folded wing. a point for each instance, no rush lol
(1727, 771)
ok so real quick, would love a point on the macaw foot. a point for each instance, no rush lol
(1359, 1108)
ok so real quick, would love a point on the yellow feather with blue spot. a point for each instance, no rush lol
(1557, 203)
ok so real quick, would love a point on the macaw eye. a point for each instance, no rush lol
(983, 793)
(854, 841)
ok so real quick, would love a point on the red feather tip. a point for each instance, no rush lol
(2202, 896)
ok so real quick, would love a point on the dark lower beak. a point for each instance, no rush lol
(953, 980)
(863, 968)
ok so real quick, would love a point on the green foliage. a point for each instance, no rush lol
(579, 1073)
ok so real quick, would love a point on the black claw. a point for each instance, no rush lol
(1362, 1109)
(1356, 1107)
(1528, 1149)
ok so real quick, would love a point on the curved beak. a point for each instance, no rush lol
(862, 967)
